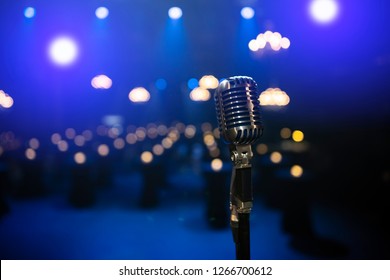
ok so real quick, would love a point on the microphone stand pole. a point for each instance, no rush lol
(241, 199)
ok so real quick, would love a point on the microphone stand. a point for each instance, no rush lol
(241, 198)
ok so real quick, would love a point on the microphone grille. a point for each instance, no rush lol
(238, 110)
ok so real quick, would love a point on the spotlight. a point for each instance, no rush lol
(175, 13)
(101, 12)
(63, 51)
(29, 12)
(324, 11)
(247, 12)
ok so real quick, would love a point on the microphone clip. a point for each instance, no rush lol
(241, 155)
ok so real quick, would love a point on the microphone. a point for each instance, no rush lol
(240, 124)
(238, 110)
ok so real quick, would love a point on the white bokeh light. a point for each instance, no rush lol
(63, 50)
(247, 12)
(324, 11)
(175, 13)
(101, 12)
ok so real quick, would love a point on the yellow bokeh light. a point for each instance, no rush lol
(276, 157)
(296, 171)
(216, 164)
(298, 136)
(146, 157)
(208, 139)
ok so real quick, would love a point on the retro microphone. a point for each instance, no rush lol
(240, 124)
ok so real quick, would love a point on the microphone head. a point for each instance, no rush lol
(238, 110)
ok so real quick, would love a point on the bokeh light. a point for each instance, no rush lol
(139, 95)
(298, 136)
(276, 157)
(247, 12)
(6, 101)
(63, 51)
(29, 12)
(80, 158)
(274, 97)
(101, 82)
(175, 13)
(146, 157)
(101, 12)
(296, 171)
(324, 11)
(200, 94)
(216, 164)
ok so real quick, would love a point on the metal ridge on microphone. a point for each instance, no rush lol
(238, 110)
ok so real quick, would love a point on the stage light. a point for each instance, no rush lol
(161, 84)
(103, 150)
(139, 95)
(274, 39)
(63, 51)
(247, 12)
(29, 12)
(101, 12)
(80, 158)
(175, 13)
(324, 11)
(296, 171)
(274, 97)
(101, 82)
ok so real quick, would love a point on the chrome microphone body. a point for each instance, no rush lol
(238, 110)
(240, 124)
